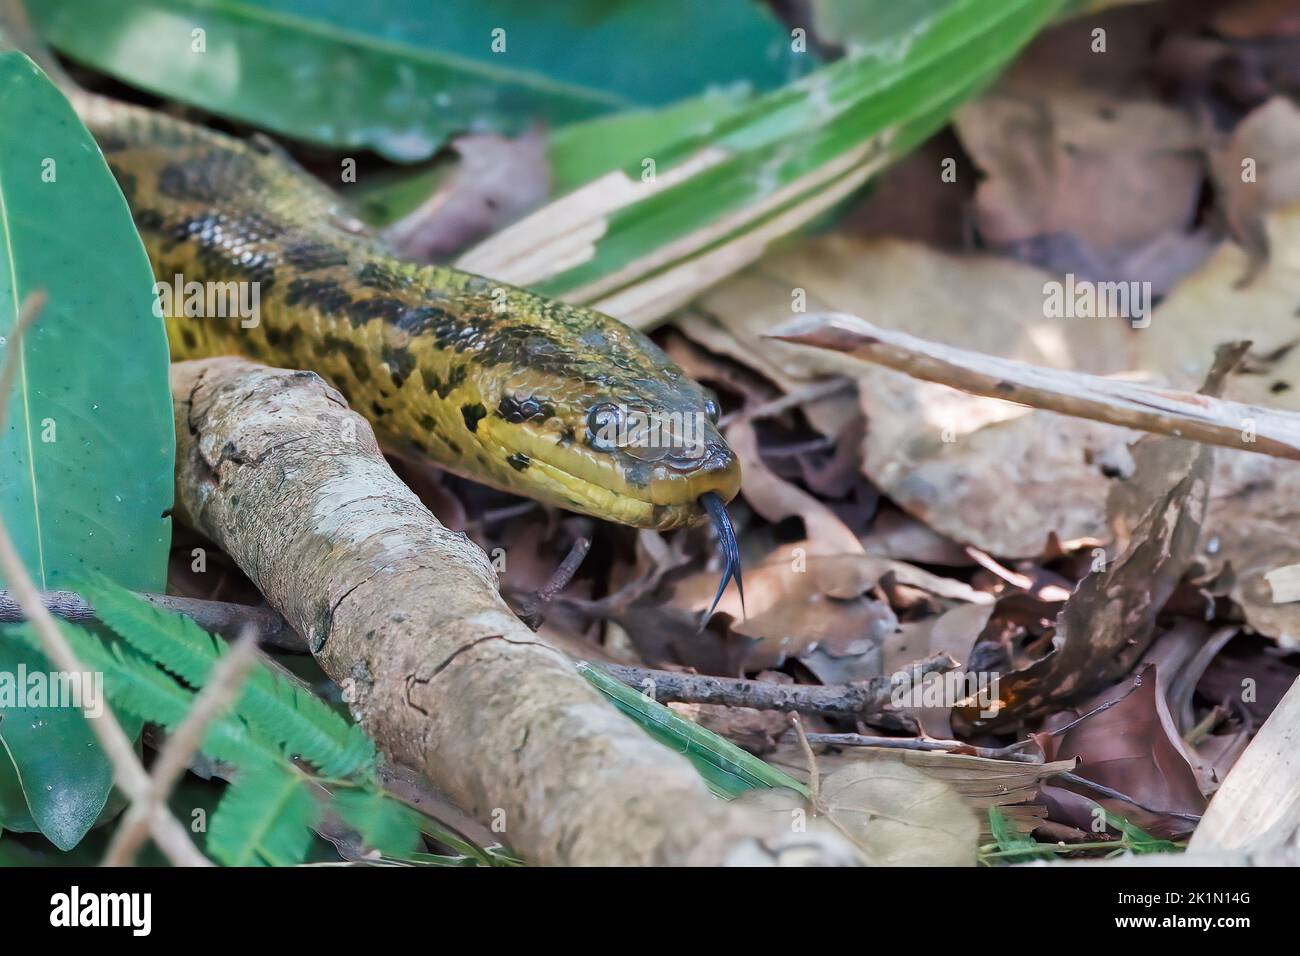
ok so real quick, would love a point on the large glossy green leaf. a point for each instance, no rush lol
(399, 76)
(49, 755)
(86, 456)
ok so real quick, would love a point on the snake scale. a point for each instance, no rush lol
(491, 382)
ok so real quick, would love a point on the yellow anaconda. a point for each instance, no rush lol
(492, 382)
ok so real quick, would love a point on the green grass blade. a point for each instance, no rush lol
(728, 770)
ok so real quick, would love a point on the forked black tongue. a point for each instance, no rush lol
(730, 549)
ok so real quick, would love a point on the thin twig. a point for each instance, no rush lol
(128, 772)
(807, 395)
(31, 308)
(858, 700)
(1104, 791)
(218, 693)
(220, 617)
(532, 610)
(921, 743)
(814, 775)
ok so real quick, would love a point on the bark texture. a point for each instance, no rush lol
(405, 615)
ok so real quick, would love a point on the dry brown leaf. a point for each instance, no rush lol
(896, 534)
(1109, 621)
(1257, 19)
(497, 181)
(776, 499)
(1055, 464)
(980, 781)
(894, 814)
(829, 415)
(1134, 747)
(958, 487)
(1257, 170)
(1255, 509)
(813, 607)
(1114, 173)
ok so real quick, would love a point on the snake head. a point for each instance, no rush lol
(609, 425)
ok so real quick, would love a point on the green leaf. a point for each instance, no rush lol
(638, 246)
(728, 770)
(278, 708)
(56, 778)
(580, 152)
(264, 819)
(384, 824)
(86, 457)
(1017, 845)
(86, 453)
(137, 687)
(872, 24)
(392, 76)
(1138, 840)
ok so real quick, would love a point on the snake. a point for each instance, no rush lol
(497, 384)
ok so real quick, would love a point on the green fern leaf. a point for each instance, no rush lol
(306, 725)
(173, 640)
(384, 824)
(265, 818)
(136, 686)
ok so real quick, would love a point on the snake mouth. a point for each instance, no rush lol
(662, 494)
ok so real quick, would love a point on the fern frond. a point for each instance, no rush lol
(384, 824)
(265, 818)
(280, 709)
(172, 640)
(135, 685)
(305, 724)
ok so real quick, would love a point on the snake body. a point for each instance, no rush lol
(491, 382)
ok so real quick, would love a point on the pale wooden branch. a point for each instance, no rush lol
(1214, 421)
(405, 616)
(222, 687)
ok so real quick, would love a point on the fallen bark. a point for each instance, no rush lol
(405, 615)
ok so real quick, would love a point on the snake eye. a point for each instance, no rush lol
(603, 424)
(711, 409)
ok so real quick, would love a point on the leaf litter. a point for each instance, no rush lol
(1112, 582)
